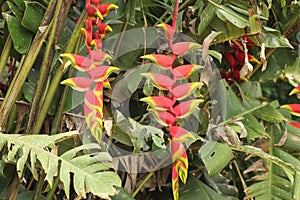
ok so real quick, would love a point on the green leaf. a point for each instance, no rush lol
(296, 190)
(121, 194)
(32, 17)
(215, 156)
(269, 113)
(216, 54)
(14, 9)
(221, 185)
(253, 127)
(86, 169)
(21, 37)
(229, 104)
(207, 15)
(274, 41)
(20, 4)
(28, 90)
(195, 189)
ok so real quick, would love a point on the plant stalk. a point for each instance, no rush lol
(58, 21)
(5, 53)
(142, 184)
(58, 76)
(19, 79)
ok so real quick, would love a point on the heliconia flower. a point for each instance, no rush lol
(184, 90)
(179, 153)
(98, 90)
(182, 48)
(163, 117)
(186, 108)
(159, 102)
(160, 59)
(184, 71)
(162, 82)
(78, 83)
(294, 108)
(296, 90)
(181, 170)
(236, 75)
(168, 31)
(81, 63)
(229, 59)
(179, 134)
(96, 131)
(103, 29)
(93, 11)
(106, 84)
(296, 124)
(106, 8)
(93, 101)
(97, 43)
(175, 183)
(240, 57)
(100, 73)
(88, 37)
(99, 57)
(96, 1)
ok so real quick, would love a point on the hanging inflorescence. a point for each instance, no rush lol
(175, 102)
(93, 65)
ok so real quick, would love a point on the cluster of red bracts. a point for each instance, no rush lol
(93, 65)
(294, 108)
(173, 105)
(236, 60)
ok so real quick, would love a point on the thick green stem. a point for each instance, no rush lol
(146, 179)
(18, 81)
(58, 76)
(58, 21)
(5, 53)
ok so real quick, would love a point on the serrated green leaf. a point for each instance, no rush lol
(87, 171)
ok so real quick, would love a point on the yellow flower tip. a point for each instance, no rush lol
(109, 28)
(244, 79)
(98, 14)
(286, 107)
(198, 66)
(295, 91)
(149, 57)
(163, 26)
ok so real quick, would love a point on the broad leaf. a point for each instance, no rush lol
(215, 156)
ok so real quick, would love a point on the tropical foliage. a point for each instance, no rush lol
(195, 99)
